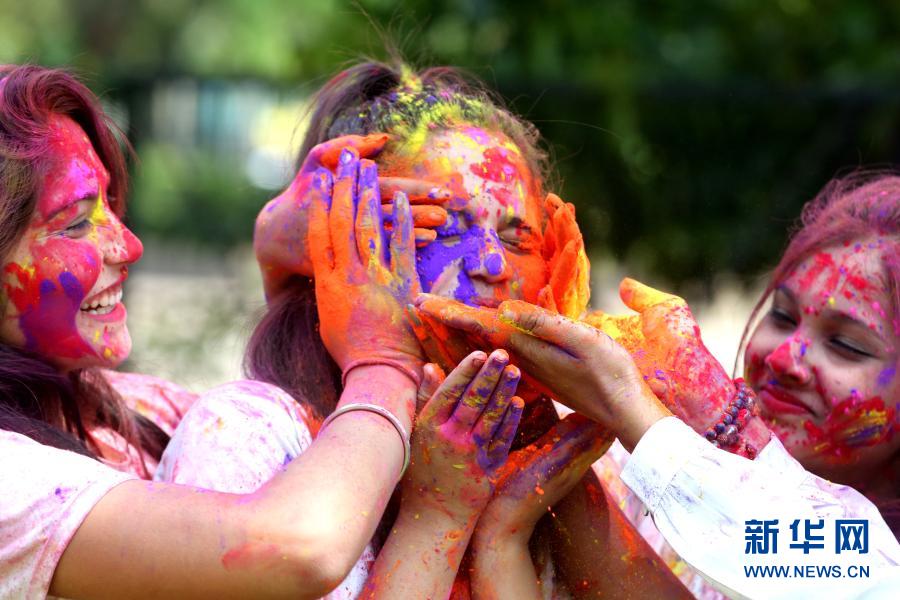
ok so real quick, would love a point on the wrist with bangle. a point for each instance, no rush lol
(726, 432)
(382, 412)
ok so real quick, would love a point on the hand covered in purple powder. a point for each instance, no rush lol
(462, 437)
(539, 475)
(281, 241)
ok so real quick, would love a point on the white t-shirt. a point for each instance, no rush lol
(46, 495)
(235, 438)
(47, 492)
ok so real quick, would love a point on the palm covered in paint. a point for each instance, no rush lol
(664, 340)
(361, 290)
(568, 291)
(462, 436)
(541, 474)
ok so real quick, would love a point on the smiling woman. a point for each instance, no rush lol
(81, 441)
(824, 357)
(64, 252)
(64, 277)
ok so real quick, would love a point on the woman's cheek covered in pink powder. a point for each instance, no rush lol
(47, 292)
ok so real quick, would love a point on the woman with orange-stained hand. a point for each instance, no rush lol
(79, 516)
(820, 369)
(487, 234)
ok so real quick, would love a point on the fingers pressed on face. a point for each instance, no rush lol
(423, 216)
(494, 412)
(328, 153)
(369, 241)
(479, 392)
(403, 249)
(440, 407)
(481, 322)
(320, 247)
(565, 224)
(424, 236)
(546, 300)
(343, 208)
(551, 203)
(417, 190)
(566, 270)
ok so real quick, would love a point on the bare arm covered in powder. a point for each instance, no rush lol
(299, 534)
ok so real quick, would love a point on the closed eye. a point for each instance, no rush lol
(848, 348)
(517, 233)
(782, 318)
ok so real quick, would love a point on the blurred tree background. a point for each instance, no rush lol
(687, 133)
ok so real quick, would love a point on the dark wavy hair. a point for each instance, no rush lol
(372, 97)
(36, 399)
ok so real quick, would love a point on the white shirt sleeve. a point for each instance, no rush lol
(701, 499)
(235, 438)
(46, 495)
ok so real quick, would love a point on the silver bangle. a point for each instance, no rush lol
(378, 410)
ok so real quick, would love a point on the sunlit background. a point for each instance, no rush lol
(687, 134)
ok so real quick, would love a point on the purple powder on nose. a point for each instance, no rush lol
(435, 258)
(493, 263)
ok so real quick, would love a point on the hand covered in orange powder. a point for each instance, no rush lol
(433, 319)
(573, 362)
(280, 239)
(539, 475)
(569, 290)
(462, 437)
(361, 291)
(664, 340)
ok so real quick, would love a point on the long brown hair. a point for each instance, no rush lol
(371, 97)
(36, 399)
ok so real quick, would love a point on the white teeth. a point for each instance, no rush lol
(103, 303)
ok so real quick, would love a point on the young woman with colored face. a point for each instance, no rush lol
(822, 362)
(78, 518)
(473, 174)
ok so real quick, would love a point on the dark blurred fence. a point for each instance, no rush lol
(688, 134)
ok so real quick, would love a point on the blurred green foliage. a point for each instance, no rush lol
(688, 134)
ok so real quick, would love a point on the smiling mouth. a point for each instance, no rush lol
(103, 302)
(781, 402)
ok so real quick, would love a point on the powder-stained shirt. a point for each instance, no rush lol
(701, 499)
(235, 438)
(46, 495)
(48, 492)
